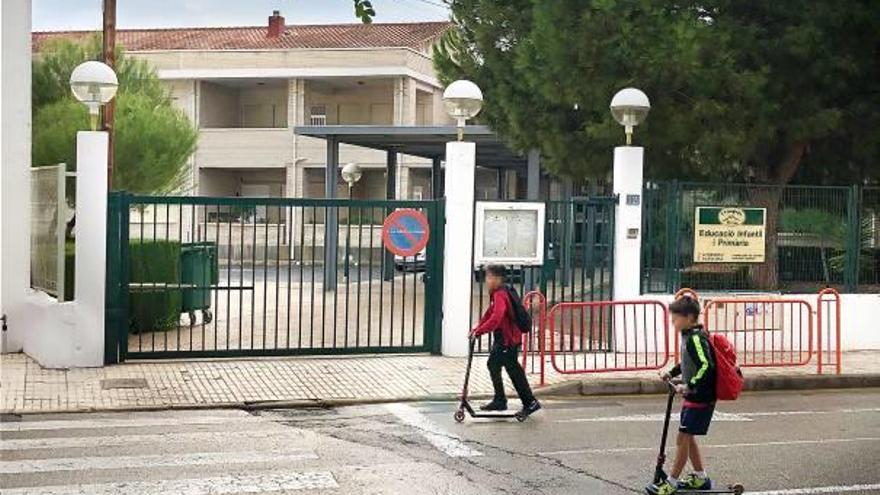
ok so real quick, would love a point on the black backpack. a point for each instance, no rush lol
(521, 317)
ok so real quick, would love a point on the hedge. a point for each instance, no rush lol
(150, 262)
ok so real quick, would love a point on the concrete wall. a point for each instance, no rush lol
(219, 106)
(264, 107)
(15, 153)
(244, 148)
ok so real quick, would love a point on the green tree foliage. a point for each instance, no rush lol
(363, 9)
(769, 92)
(152, 140)
(763, 91)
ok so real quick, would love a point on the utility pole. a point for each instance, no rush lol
(109, 55)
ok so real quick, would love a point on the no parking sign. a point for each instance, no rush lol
(405, 232)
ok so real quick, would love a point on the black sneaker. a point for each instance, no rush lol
(531, 408)
(495, 405)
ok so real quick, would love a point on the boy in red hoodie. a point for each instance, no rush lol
(507, 337)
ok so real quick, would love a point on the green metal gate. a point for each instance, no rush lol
(578, 257)
(214, 277)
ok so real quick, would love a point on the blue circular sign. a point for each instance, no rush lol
(405, 232)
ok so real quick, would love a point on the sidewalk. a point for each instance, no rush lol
(28, 388)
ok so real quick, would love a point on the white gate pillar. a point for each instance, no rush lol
(458, 268)
(628, 170)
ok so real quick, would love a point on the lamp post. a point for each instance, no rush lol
(351, 174)
(463, 100)
(629, 107)
(94, 84)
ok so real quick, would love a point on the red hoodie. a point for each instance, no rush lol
(498, 316)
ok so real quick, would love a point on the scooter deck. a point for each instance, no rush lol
(467, 408)
(736, 489)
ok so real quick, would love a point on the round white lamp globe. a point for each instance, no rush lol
(94, 84)
(463, 100)
(629, 107)
(351, 173)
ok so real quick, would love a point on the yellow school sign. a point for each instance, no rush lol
(724, 234)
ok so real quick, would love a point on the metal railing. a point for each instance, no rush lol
(606, 336)
(191, 278)
(816, 237)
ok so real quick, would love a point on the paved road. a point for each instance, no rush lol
(780, 443)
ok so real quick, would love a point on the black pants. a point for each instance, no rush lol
(505, 357)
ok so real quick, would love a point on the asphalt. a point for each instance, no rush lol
(799, 442)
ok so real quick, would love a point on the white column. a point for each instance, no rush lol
(91, 247)
(457, 250)
(15, 190)
(628, 165)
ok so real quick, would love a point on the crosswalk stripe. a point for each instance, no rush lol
(123, 423)
(140, 440)
(444, 441)
(153, 460)
(206, 486)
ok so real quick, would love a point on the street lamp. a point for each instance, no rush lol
(94, 84)
(351, 173)
(463, 100)
(629, 107)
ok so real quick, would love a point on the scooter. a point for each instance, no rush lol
(660, 474)
(465, 406)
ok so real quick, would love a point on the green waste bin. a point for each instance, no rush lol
(198, 272)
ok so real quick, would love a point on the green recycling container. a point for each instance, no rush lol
(198, 272)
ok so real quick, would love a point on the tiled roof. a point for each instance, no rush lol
(409, 35)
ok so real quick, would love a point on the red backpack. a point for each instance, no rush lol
(729, 379)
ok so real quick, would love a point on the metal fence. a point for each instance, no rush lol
(200, 276)
(816, 237)
(578, 258)
(49, 214)
(869, 240)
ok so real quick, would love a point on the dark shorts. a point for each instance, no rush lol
(695, 421)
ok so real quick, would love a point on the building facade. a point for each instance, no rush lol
(247, 88)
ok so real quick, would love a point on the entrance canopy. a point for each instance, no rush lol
(423, 141)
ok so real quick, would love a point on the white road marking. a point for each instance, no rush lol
(807, 413)
(444, 441)
(223, 436)
(153, 460)
(206, 486)
(718, 416)
(821, 489)
(124, 423)
(716, 446)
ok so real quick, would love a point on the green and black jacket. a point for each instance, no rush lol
(697, 366)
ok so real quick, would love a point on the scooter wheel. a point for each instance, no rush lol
(459, 416)
(520, 417)
(738, 489)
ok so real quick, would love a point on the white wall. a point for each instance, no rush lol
(15, 164)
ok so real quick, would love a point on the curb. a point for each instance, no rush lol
(753, 384)
(571, 388)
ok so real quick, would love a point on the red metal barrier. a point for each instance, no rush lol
(534, 342)
(828, 329)
(765, 331)
(600, 336)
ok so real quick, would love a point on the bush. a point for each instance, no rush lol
(154, 262)
(151, 262)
